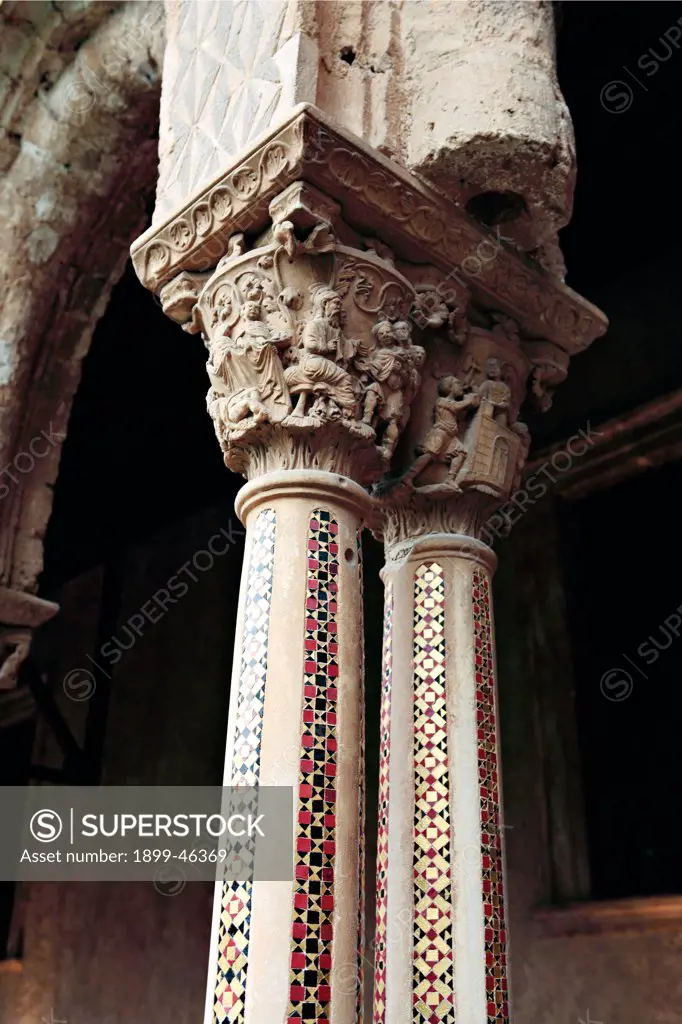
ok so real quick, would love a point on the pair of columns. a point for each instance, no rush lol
(295, 952)
(357, 379)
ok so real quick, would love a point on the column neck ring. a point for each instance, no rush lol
(304, 483)
(440, 545)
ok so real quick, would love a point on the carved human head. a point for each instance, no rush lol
(493, 368)
(402, 331)
(333, 308)
(383, 332)
(450, 387)
(327, 304)
(251, 310)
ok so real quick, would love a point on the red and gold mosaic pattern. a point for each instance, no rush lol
(235, 910)
(312, 931)
(360, 983)
(433, 970)
(382, 834)
(491, 825)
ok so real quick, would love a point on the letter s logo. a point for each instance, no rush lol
(46, 826)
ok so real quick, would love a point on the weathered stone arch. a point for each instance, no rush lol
(80, 166)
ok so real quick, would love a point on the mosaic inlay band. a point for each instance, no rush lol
(235, 914)
(491, 826)
(314, 856)
(360, 983)
(384, 792)
(433, 972)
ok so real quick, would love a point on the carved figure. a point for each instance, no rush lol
(319, 378)
(495, 394)
(402, 332)
(523, 432)
(248, 364)
(391, 377)
(442, 443)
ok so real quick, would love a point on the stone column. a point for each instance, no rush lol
(295, 720)
(302, 325)
(442, 936)
(441, 943)
(308, 267)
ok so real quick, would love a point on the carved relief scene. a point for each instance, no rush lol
(465, 432)
(308, 336)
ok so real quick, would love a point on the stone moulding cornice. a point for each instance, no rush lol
(377, 197)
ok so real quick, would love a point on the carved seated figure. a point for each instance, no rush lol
(442, 443)
(324, 388)
(247, 363)
(495, 393)
(391, 377)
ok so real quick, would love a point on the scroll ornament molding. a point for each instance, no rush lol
(377, 197)
(311, 361)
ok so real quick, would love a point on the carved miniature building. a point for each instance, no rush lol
(367, 276)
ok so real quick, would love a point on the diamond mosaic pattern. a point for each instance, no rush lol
(225, 88)
(360, 989)
(491, 839)
(312, 932)
(384, 790)
(235, 917)
(433, 973)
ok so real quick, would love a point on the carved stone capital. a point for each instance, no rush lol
(306, 266)
(311, 362)
(464, 448)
